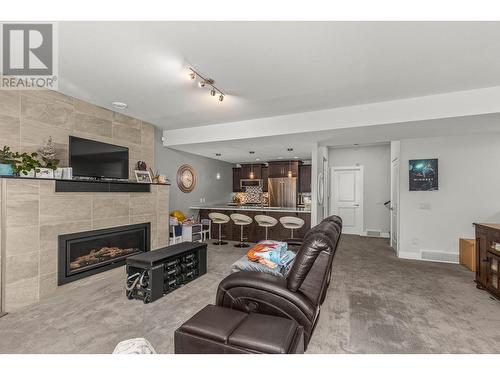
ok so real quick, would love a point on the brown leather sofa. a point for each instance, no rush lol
(300, 295)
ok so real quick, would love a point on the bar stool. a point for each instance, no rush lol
(265, 221)
(292, 222)
(241, 220)
(218, 218)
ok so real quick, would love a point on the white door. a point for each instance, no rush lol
(394, 204)
(347, 197)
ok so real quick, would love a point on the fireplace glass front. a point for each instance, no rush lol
(86, 253)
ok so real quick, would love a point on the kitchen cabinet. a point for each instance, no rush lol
(265, 176)
(281, 168)
(305, 179)
(247, 168)
(236, 180)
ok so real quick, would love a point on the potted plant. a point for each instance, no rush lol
(15, 163)
(7, 161)
(27, 164)
(49, 162)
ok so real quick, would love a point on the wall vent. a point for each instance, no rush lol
(439, 256)
(373, 233)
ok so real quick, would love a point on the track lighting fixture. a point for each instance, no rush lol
(204, 82)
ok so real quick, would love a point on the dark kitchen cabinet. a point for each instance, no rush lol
(281, 168)
(236, 180)
(246, 169)
(265, 176)
(304, 179)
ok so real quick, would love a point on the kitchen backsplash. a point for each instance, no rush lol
(251, 197)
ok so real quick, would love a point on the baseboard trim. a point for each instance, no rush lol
(409, 255)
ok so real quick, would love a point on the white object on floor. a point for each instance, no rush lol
(134, 346)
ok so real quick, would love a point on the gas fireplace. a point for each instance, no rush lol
(87, 253)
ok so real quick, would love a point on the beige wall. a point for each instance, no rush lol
(27, 118)
(35, 215)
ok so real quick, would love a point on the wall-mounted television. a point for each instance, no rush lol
(97, 159)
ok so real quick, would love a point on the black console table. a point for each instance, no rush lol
(153, 274)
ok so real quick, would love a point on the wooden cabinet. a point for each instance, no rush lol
(304, 179)
(246, 169)
(281, 168)
(236, 180)
(265, 176)
(488, 257)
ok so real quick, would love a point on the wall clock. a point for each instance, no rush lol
(186, 178)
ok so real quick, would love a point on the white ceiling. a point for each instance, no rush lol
(270, 68)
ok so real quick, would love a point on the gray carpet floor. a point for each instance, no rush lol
(376, 303)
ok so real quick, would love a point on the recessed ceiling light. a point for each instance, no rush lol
(257, 159)
(251, 152)
(119, 105)
(217, 154)
(295, 157)
(289, 149)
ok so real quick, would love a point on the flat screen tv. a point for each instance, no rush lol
(97, 159)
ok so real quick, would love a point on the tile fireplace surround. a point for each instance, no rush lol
(33, 215)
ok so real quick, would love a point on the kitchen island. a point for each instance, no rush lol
(253, 232)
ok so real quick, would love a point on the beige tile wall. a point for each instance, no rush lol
(35, 215)
(27, 118)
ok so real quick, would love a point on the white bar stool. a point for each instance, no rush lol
(292, 222)
(241, 220)
(218, 218)
(265, 221)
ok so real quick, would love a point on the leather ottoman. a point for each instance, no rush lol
(219, 330)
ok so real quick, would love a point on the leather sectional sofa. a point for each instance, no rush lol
(297, 298)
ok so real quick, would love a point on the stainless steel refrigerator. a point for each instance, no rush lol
(282, 192)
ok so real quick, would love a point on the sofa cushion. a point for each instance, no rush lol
(265, 334)
(214, 322)
(311, 247)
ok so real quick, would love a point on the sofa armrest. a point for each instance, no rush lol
(266, 294)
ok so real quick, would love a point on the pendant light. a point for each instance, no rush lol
(290, 174)
(251, 172)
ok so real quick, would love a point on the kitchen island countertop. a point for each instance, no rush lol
(227, 207)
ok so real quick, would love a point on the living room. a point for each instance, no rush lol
(204, 187)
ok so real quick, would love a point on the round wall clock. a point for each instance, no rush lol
(186, 178)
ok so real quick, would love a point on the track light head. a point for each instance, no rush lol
(213, 92)
(201, 84)
(192, 76)
(221, 98)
